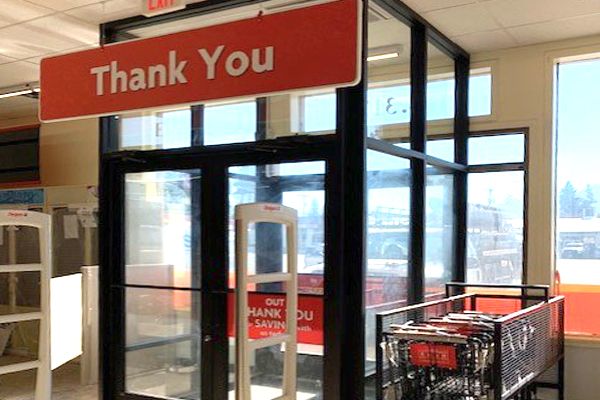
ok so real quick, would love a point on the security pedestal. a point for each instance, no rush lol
(41, 222)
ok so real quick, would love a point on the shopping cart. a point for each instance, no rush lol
(450, 350)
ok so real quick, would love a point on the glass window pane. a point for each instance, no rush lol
(441, 86)
(162, 350)
(319, 112)
(155, 130)
(440, 97)
(495, 227)
(388, 232)
(441, 148)
(158, 216)
(480, 93)
(388, 105)
(439, 231)
(300, 168)
(497, 149)
(577, 194)
(230, 123)
(388, 95)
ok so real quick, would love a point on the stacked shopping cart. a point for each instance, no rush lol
(446, 358)
(450, 349)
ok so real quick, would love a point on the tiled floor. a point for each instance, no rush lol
(65, 385)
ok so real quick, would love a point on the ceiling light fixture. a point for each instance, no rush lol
(29, 89)
(14, 94)
(385, 56)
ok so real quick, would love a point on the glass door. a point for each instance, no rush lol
(172, 303)
(299, 186)
(162, 285)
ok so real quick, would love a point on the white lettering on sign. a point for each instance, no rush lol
(235, 64)
(278, 313)
(257, 312)
(238, 62)
(138, 78)
(211, 60)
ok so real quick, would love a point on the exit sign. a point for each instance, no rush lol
(151, 8)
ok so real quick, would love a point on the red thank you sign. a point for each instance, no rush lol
(309, 47)
(267, 316)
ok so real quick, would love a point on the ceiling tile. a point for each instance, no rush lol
(17, 73)
(557, 30)
(431, 5)
(46, 35)
(521, 12)
(462, 20)
(61, 5)
(107, 11)
(15, 11)
(484, 41)
(38, 59)
(4, 60)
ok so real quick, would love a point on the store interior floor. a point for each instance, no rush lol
(66, 385)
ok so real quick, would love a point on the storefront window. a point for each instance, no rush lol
(388, 237)
(496, 207)
(480, 92)
(440, 99)
(230, 123)
(577, 183)
(495, 227)
(497, 149)
(155, 130)
(388, 94)
(439, 231)
(319, 112)
(441, 148)
(389, 105)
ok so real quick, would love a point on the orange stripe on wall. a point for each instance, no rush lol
(570, 288)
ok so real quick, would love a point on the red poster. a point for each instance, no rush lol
(310, 47)
(267, 315)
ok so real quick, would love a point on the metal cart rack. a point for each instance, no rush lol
(522, 344)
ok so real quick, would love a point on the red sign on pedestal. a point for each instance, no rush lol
(310, 47)
(267, 316)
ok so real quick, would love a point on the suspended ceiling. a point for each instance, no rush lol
(482, 25)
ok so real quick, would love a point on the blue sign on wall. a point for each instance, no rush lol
(25, 196)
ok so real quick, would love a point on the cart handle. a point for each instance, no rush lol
(523, 288)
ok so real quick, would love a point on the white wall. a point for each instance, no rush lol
(523, 90)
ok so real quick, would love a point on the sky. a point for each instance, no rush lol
(578, 128)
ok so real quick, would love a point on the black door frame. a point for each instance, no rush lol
(212, 232)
